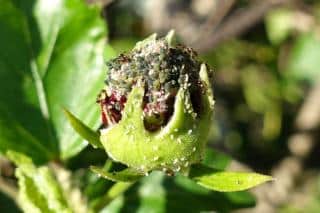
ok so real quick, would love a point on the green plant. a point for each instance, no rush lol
(178, 145)
(54, 59)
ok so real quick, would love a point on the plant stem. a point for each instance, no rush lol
(116, 190)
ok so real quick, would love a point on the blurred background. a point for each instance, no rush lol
(266, 58)
(266, 61)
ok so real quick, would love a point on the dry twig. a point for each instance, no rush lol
(237, 24)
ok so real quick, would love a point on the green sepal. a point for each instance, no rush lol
(171, 38)
(141, 44)
(126, 175)
(173, 148)
(222, 181)
(83, 130)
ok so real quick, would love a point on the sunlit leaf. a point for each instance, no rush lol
(279, 23)
(226, 181)
(53, 57)
(303, 63)
(38, 189)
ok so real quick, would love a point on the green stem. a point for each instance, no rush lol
(117, 189)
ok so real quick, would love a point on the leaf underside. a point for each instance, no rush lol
(126, 175)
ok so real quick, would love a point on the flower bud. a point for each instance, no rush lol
(156, 106)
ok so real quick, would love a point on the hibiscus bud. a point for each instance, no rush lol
(156, 106)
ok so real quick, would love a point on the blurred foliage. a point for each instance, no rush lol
(39, 191)
(7, 204)
(305, 56)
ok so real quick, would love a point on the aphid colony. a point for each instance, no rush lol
(162, 69)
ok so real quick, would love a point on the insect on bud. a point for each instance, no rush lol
(156, 106)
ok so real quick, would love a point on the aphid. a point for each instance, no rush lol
(122, 58)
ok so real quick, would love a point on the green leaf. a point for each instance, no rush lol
(215, 159)
(159, 193)
(304, 63)
(38, 189)
(279, 24)
(53, 57)
(226, 181)
(84, 131)
(126, 175)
